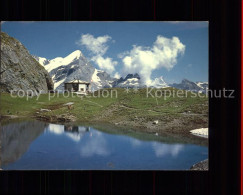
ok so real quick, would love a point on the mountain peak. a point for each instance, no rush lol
(132, 76)
(41, 60)
(77, 52)
(159, 78)
(74, 55)
(159, 82)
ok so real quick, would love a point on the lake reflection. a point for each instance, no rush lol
(37, 145)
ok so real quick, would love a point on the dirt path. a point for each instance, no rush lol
(123, 106)
(93, 103)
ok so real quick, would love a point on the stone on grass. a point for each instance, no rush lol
(45, 110)
(155, 122)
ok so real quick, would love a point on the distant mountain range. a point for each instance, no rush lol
(76, 66)
(191, 86)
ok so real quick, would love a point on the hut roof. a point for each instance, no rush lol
(78, 81)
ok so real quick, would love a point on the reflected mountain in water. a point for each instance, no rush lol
(34, 145)
(74, 132)
(17, 137)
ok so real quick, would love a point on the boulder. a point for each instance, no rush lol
(155, 122)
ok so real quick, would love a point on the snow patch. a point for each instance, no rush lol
(42, 61)
(56, 84)
(59, 61)
(95, 77)
(202, 132)
(159, 83)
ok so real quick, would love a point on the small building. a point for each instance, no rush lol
(77, 86)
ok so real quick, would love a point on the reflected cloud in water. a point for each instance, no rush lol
(160, 149)
(136, 142)
(96, 145)
(167, 149)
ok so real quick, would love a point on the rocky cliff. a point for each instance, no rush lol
(19, 70)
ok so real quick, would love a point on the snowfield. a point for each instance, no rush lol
(203, 132)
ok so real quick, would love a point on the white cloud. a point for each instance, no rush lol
(106, 64)
(167, 149)
(123, 54)
(97, 46)
(144, 60)
(135, 142)
(117, 75)
(96, 145)
(74, 137)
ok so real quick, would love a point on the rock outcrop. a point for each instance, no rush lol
(201, 166)
(20, 71)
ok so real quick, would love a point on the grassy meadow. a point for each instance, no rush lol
(134, 108)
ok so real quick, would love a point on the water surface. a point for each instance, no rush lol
(35, 145)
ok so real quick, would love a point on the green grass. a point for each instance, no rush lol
(125, 104)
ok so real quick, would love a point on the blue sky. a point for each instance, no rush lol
(187, 57)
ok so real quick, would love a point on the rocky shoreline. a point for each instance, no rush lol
(201, 166)
(176, 127)
(155, 129)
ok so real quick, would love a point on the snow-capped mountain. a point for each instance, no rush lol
(130, 81)
(134, 81)
(72, 67)
(42, 61)
(203, 86)
(191, 86)
(159, 83)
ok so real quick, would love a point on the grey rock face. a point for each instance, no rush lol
(134, 81)
(201, 166)
(21, 70)
(186, 85)
(72, 72)
(130, 81)
(191, 86)
(72, 67)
